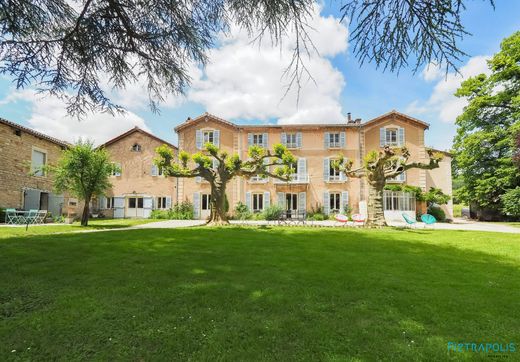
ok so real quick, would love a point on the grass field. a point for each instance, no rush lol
(258, 294)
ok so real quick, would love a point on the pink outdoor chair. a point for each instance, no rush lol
(359, 220)
(342, 219)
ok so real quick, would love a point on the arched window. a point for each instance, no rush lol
(136, 148)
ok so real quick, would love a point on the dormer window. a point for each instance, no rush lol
(136, 147)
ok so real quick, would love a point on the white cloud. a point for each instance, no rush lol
(442, 104)
(432, 72)
(49, 116)
(244, 80)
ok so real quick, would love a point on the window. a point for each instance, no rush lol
(335, 202)
(208, 136)
(136, 148)
(291, 202)
(291, 140)
(161, 203)
(391, 137)
(110, 203)
(116, 171)
(140, 202)
(294, 166)
(334, 140)
(258, 202)
(206, 202)
(398, 200)
(135, 201)
(334, 174)
(258, 139)
(39, 159)
(131, 202)
(399, 178)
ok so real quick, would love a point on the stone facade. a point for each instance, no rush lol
(313, 184)
(138, 188)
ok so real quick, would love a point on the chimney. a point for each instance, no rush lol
(349, 117)
(357, 121)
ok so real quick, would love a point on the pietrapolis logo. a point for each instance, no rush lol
(485, 347)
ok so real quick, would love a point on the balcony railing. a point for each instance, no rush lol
(295, 179)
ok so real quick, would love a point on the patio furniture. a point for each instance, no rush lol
(341, 219)
(428, 219)
(358, 219)
(410, 221)
(12, 217)
(40, 217)
(301, 216)
(31, 217)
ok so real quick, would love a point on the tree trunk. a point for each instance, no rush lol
(218, 205)
(376, 216)
(86, 212)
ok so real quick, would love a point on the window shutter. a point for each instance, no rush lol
(267, 199)
(249, 139)
(302, 169)
(248, 200)
(284, 138)
(344, 201)
(216, 138)
(342, 139)
(302, 201)
(382, 137)
(402, 177)
(102, 202)
(168, 202)
(198, 139)
(198, 179)
(401, 136)
(196, 205)
(281, 199)
(327, 140)
(265, 140)
(326, 169)
(154, 170)
(298, 139)
(326, 202)
(342, 176)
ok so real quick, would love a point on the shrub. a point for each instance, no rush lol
(182, 211)
(511, 202)
(159, 214)
(242, 211)
(2, 215)
(317, 217)
(437, 212)
(273, 212)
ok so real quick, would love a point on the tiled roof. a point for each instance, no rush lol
(34, 133)
(136, 129)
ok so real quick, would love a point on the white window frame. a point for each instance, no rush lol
(291, 140)
(207, 198)
(117, 173)
(398, 201)
(39, 173)
(389, 132)
(208, 136)
(334, 200)
(334, 174)
(334, 140)
(258, 139)
(110, 202)
(161, 202)
(257, 202)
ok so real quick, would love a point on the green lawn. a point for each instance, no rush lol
(240, 294)
(94, 224)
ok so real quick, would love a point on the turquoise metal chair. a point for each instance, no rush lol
(32, 217)
(428, 219)
(411, 222)
(11, 218)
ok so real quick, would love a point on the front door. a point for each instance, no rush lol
(205, 207)
(135, 207)
(291, 204)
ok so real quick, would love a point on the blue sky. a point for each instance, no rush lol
(242, 84)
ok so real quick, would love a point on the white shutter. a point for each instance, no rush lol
(302, 169)
(400, 136)
(344, 201)
(155, 170)
(342, 176)
(326, 169)
(196, 205)
(302, 201)
(342, 139)
(281, 199)
(326, 202)
(327, 140)
(284, 138)
(102, 202)
(198, 179)
(267, 199)
(298, 139)
(119, 207)
(248, 200)
(265, 141)
(249, 139)
(382, 137)
(198, 139)
(168, 202)
(147, 206)
(216, 138)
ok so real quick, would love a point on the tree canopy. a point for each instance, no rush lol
(487, 129)
(76, 49)
(83, 171)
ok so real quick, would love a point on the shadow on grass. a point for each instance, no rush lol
(258, 294)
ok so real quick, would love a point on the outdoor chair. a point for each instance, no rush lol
(359, 220)
(428, 219)
(40, 217)
(31, 217)
(410, 221)
(11, 218)
(341, 219)
(301, 217)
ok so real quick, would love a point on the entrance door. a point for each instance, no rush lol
(205, 207)
(291, 204)
(44, 201)
(135, 207)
